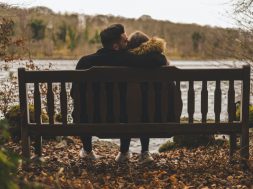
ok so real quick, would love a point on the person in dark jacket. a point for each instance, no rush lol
(113, 53)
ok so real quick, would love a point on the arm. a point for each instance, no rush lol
(147, 60)
(82, 64)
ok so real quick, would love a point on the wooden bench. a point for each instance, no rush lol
(134, 127)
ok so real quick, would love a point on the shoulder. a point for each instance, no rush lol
(85, 62)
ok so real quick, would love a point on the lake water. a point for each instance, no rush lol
(155, 143)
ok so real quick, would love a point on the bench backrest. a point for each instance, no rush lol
(156, 79)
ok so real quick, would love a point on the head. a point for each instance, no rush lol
(114, 37)
(136, 39)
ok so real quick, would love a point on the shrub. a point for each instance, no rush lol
(13, 117)
(58, 117)
(193, 140)
(238, 112)
(8, 161)
(167, 146)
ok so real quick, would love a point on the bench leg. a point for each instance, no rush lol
(25, 145)
(244, 145)
(38, 145)
(232, 144)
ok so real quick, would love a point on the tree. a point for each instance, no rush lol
(196, 40)
(72, 38)
(6, 32)
(86, 34)
(96, 38)
(38, 29)
(61, 34)
(243, 15)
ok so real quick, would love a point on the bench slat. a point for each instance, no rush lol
(116, 102)
(37, 103)
(133, 102)
(96, 102)
(177, 96)
(50, 103)
(90, 104)
(137, 130)
(122, 74)
(158, 104)
(231, 102)
(164, 102)
(123, 101)
(151, 101)
(103, 102)
(217, 101)
(144, 101)
(109, 102)
(191, 101)
(63, 102)
(204, 101)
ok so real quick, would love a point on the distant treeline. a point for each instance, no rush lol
(48, 35)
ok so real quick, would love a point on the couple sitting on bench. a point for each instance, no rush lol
(137, 50)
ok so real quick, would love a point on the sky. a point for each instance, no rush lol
(203, 12)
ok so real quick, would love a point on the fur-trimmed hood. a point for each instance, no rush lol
(155, 44)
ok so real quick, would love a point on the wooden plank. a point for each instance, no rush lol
(191, 101)
(132, 125)
(137, 130)
(25, 138)
(204, 101)
(244, 116)
(122, 74)
(217, 101)
(63, 102)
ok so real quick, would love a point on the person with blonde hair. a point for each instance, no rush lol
(141, 44)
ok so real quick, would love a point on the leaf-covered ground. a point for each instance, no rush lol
(202, 167)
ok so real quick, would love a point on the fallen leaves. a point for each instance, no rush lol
(203, 167)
